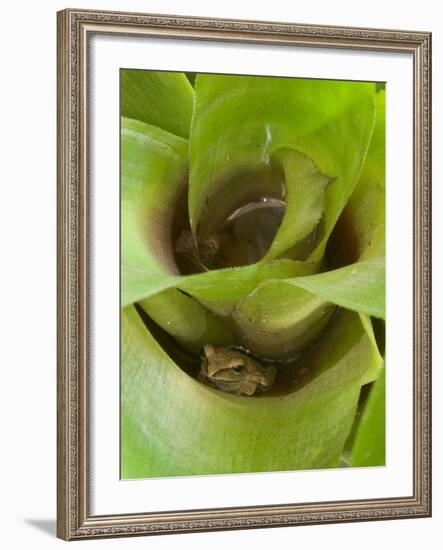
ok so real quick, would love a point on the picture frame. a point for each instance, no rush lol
(76, 469)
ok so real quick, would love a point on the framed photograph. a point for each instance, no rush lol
(243, 274)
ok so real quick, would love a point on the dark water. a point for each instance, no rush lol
(243, 239)
(237, 226)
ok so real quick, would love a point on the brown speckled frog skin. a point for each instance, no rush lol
(235, 372)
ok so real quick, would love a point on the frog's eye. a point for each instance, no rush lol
(237, 368)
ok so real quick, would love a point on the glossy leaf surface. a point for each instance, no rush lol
(161, 99)
(369, 445)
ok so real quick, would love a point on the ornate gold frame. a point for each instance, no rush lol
(74, 30)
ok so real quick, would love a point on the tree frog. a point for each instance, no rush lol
(235, 372)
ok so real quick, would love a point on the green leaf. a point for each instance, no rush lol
(278, 320)
(174, 425)
(186, 320)
(305, 203)
(153, 175)
(369, 443)
(359, 237)
(221, 290)
(240, 122)
(161, 99)
(359, 286)
(374, 168)
(360, 231)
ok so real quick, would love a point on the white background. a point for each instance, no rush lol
(27, 404)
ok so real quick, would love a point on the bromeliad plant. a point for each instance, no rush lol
(253, 212)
